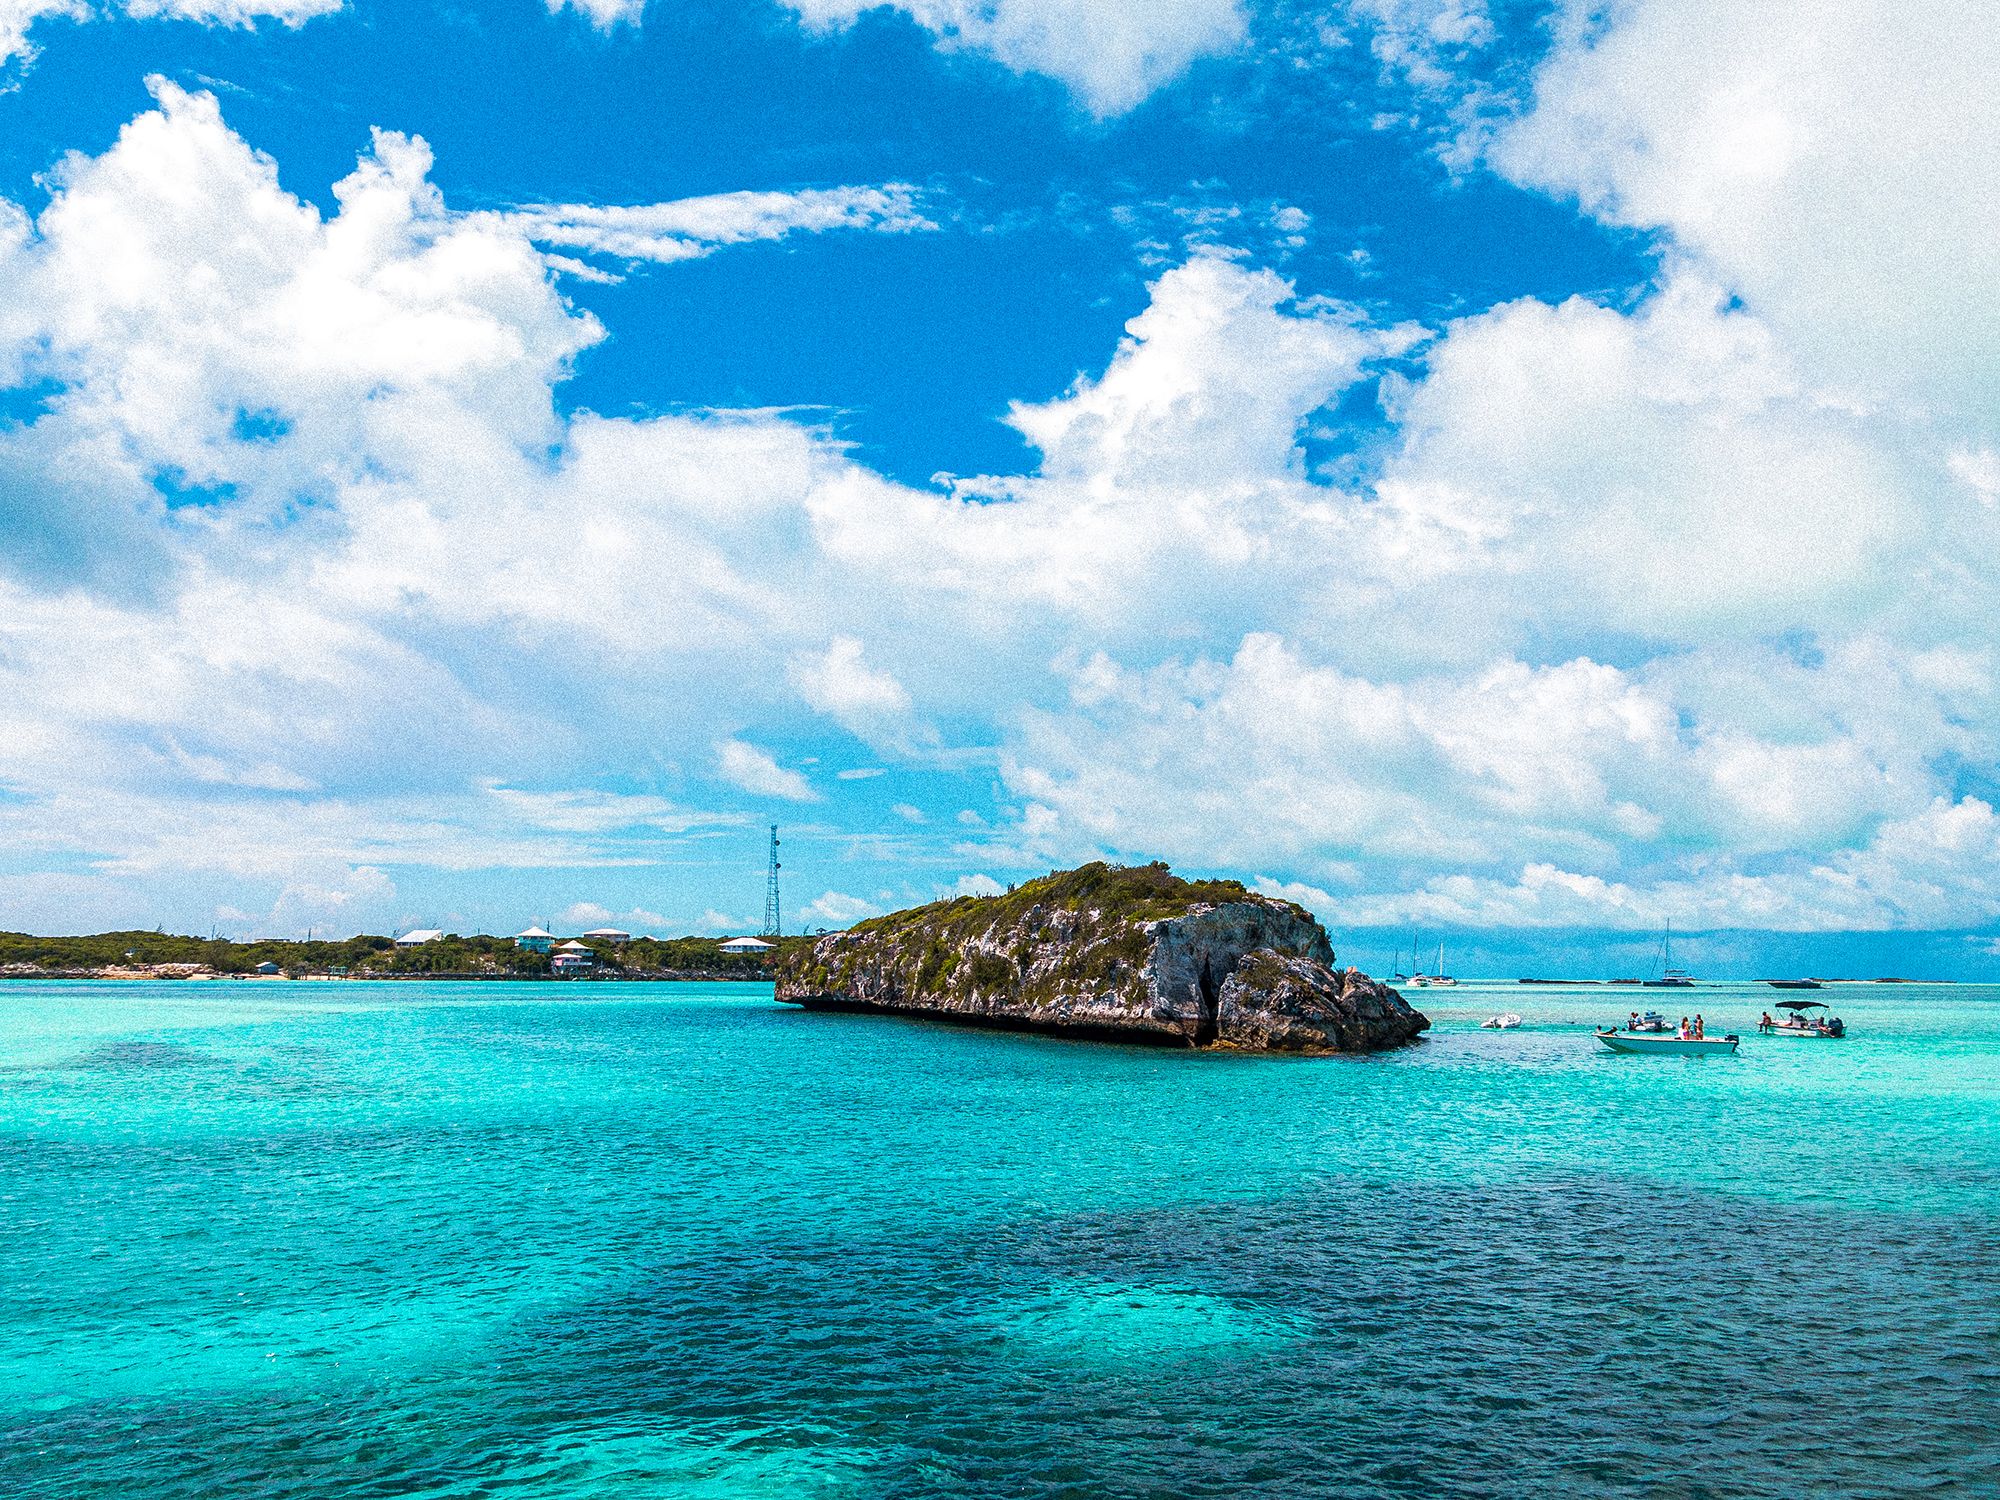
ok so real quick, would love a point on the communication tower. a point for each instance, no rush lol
(773, 913)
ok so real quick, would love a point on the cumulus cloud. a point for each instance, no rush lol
(583, 916)
(1636, 611)
(754, 770)
(1112, 54)
(864, 701)
(1821, 172)
(1935, 869)
(838, 910)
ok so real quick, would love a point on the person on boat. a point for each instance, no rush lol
(1682, 1033)
(1700, 1030)
(1633, 1024)
(1766, 1023)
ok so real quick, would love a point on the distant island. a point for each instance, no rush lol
(442, 955)
(1124, 953)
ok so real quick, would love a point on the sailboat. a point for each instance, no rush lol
(1431, 981)
(1670, 977)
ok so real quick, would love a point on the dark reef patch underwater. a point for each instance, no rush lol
(706, 1246)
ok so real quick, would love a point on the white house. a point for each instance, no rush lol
(607, 935)
(418, 937)
(535, 940)
(572, 958)
(747, 945)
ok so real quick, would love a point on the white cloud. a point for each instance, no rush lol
(1207, 389)
(336, 905)
(867, 703)
(977, 885)
(1939, 868)
(837, 910)
(18, 16)
(1111, 53)
(582, 916)
(1666, 465)
(754, 770)
(1423, 40)
(692, 227)
(1635, 601)
(1824, 172)
(603, 14)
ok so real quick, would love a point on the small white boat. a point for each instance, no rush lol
(1505, 1021)
(1671, 1044)
(1798, 1023)
(1652, 1023)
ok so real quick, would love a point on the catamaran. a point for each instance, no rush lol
(1432, 981)
(1670, 977)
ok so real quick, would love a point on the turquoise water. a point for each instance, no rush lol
(275, 1239)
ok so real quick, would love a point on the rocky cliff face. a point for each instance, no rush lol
(1135, 954)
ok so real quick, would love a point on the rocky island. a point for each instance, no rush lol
(1126, 953)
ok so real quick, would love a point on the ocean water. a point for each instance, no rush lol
(570, 1242)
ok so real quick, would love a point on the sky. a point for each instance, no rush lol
(1514, 475)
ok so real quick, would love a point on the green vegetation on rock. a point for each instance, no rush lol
(1134, 953)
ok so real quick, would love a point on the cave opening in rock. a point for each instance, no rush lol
(1205, 1022)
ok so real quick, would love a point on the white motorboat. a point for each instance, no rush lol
(1505, 1021)
(1798, 1023)
(1672, 1044)
(1652, 1023)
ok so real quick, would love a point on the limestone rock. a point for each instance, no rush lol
(1128, 953)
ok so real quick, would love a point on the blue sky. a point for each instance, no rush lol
(1519, 472)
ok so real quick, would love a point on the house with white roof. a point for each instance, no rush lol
(417, 937)
(572, 957)
(535, 940)
(606, 935)
(747, 945)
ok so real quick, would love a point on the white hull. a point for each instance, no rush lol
(1626, 1041)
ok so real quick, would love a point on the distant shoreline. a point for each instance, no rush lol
(129, 976)
(598, 956)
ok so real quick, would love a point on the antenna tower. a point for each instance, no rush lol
(773, 913)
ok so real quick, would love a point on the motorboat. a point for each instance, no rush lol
(1793, 984)
(1506, 1021)
(1797, 1023)
(1672, 1044)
